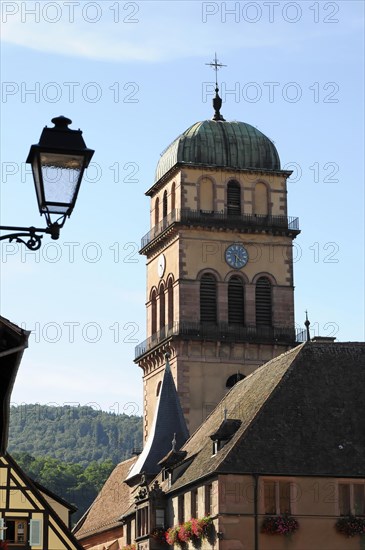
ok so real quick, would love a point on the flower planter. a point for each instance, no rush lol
(351, 526)
(194, 530)
(279, 525)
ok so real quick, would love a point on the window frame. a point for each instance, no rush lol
(234, 203)
(352, 508)
(277, 497)
(16, 521)
(208, 299)
(236, 301)
(142, 521)
(263, 302)
(208, 499)
(181, 508)
(194, 503)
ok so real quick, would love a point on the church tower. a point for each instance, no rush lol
(220, 294)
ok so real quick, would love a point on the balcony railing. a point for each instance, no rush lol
(221, 331)
(198, 217)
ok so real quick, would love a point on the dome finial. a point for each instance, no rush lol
(217, 101)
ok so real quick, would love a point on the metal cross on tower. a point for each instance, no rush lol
(217, 102)
(216, 66)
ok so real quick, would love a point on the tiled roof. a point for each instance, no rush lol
(111, 503)
(302, 413)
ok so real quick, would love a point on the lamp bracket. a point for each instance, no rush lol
(34, 241)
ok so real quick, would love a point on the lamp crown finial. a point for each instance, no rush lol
(61, 121)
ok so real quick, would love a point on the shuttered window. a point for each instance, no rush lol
(170, 304)
(153, 313)
(236, 301)
(162, 306)
(164, 205)
(208, 299)
(263, 302)
(233, 198)
(173, 196)
(157, 211)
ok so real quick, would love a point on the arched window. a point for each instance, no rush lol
(158, 388)
(153, 312)
(173, 197)
(261, 204)
(232, 380)
(164, 205)
(233, 198)
(208, 299)
(263, 302)
(206, 195)
(236, 301)
(170, 304)
(162, 306)
(157, 210)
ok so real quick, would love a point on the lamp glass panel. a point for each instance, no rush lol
(61, 174)
(37, 182)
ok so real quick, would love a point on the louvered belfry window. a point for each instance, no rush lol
(236, 314)
(157, 211)
(162, 307)
(153, 313)
(263, 302)
(208, 299)
(233, 198)
(170, 304)
(164, 205)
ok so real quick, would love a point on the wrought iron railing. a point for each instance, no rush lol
(185, 215)
(220, 331)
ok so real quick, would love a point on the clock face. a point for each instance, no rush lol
(161, 264)
(236, 256)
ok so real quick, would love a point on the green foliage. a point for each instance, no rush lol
(74, 483)
(73, 434)
(71, 450)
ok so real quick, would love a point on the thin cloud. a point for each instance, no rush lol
(156, 37)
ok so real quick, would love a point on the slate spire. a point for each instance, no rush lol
(168, 424)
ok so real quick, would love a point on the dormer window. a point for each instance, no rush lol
(218, 444)
(224, 434)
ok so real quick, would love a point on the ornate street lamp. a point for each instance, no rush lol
(58, 163)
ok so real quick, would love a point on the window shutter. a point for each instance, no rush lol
(263, 302)
(35, 532)
(164, 204)
(208, 299)
(233, 198)
(235, 301)
(2, 530)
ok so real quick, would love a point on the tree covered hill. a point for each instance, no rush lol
(71, 450)
(73, 434)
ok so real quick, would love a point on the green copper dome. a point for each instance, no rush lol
(235, 145)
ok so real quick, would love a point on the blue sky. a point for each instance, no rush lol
(132, 76)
